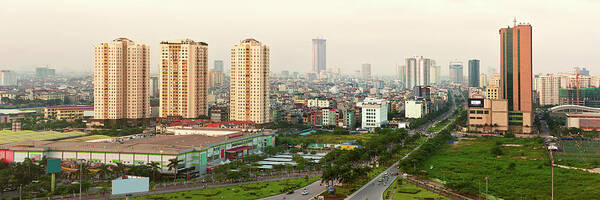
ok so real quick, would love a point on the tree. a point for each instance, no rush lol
(174, 165)
(103, 171)
(119, 169)
(154, 167)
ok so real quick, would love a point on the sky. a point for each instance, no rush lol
(61, 34)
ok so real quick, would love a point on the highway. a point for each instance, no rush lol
(374, 190)
(313, 190)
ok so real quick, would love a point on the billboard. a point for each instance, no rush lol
(130, 184)
(53, 166)
(476, 103)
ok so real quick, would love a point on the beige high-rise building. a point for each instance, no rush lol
(183, 79)
(215, 78)
(494, 80)
(249, 82)
(121, 80)
(547, 87)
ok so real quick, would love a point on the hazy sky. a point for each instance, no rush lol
(381, 32)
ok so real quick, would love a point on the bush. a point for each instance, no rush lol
(496, 151)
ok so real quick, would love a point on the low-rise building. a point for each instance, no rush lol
(68, 112)
(197, 149)
(488, 115)
(586, 121)
(415, 108)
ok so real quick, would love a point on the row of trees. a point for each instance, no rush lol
(427, 149)
(347, 166)
(26, 103)
(39, 123)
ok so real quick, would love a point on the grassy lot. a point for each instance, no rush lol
(407, 191)
(582, 154)
(438, 126)
(522, 171)
(238, 192)
(7, 136)
(86, 138)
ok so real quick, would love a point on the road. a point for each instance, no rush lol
(313, 190)
(374, 190)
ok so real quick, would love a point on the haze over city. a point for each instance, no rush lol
(61, 33)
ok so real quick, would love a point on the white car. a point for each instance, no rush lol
(304, 192)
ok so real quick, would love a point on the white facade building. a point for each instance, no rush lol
(318, 103)
(547, 87)
(415, 109)
(374, 112)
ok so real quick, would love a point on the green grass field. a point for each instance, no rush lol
(464, 166)
(7, 136)
(405, 191)
(582, 154)
(86, 138)
(238, 192)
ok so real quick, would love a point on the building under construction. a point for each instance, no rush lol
(589, 97)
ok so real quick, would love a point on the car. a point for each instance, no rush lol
(290, 192)
(304, 192)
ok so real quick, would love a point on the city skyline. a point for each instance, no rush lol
(467, 36)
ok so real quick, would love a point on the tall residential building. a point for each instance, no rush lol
(121, 80)
(582, 71)
(219, 65)
(474, 73)
(423, 68)
(483, 80)
(319, 55)
(44, 72)
(402, 74)
(456, 72)
(154, 86)
(249, 83)
(411, 73)
(547, 86)
(366, 71)
(8, 78)
(516, 68)
(215, 78)
(183, 79)
(435, 74)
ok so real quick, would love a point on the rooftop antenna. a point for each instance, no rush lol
(515, 22)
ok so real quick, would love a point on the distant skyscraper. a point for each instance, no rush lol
(183, 79)
(411, 72)
(582, 71)
(434, 74)
(516, 68)
(44, 72)
(154, 86)
(319, 55)
(456, 72)
(366, 71)
(423, 71)
(121, 80)
(8, 78)
(219, 65)
(249, 89)
(215, 78)
(483, 80)
(402, 74)
(474, 73)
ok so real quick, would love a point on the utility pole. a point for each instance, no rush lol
(80, 178)
(486, 187)
(552, 161)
